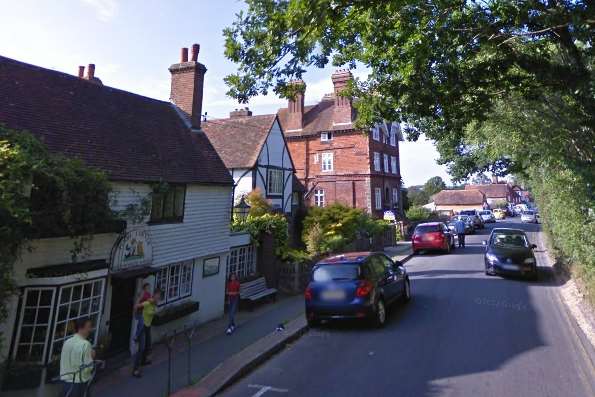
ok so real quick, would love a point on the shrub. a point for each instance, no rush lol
(258, 204)
(331, 229)
(274, 224)
(418, 214)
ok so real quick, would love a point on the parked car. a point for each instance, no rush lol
(469, 225)
(357, 285)
(528, 216)
(477, 221)
(508, 252)
(432, 236)
(499, 214)
(487, 216)
(519, 208)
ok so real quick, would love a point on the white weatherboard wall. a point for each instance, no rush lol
(275, 153)
(204, 233)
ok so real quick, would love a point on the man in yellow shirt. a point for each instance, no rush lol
(76, 359)
(149, 307)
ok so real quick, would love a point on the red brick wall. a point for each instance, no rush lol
(352, 180)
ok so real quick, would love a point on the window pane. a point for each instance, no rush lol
(46, 298)
(43, 316)
(40, 333)
(63, 312)
(76, 292)
(65, 295)
(87, 289)
(26, 334)
(32, 298)
(29, 316)
(179, 201)
(168, 206)
(157, 210)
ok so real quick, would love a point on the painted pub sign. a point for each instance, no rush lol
(133, 249)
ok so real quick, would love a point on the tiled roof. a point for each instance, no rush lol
(130, 137)
(238, 141)
(493, 190)
(459, 197)
(317, 118)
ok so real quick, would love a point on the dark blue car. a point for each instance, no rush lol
(355, 285)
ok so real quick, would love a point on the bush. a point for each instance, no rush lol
(258, 204)
(273, 224)
(331, 229)
(418, 214)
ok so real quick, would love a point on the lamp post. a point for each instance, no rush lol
(241, 210)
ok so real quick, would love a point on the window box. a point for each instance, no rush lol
(175, 312)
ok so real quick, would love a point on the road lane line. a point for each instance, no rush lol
(264, 389)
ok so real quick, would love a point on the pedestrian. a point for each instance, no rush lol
(76, 360)
(145, 296)
(149, 307)
(233, 299)
(460, 230)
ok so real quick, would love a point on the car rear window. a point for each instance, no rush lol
(467, 212)
(342, 271)
(427, 229)
(528, 213)
(486, 212)
(509, 240)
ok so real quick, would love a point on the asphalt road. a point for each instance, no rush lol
(463, 334)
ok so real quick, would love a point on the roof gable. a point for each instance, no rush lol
(239, 140)
(129, 136)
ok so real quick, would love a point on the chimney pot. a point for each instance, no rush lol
(81, 72)
(184, 55)
(91, 71)
(195, 51)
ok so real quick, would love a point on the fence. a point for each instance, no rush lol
(293, 277)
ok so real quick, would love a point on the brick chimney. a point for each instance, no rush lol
(187, 80)
(239, 113)
(343, 111)
(295, 107)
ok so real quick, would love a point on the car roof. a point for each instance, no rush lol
(348, 257)
(507, 230)
(429, 224)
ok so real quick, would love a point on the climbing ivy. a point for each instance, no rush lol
(45, 195)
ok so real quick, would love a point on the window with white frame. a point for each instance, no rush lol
(376, 133)
(175, 281)
(393, 135)
(395, 196)
(242, 261)
(376, 161)
(275, 181)
(81, 300)
(327, 161)
(393, 164)
(386, 163)
(319, 198)
(34, 324)
(326, 136)
(378, 198)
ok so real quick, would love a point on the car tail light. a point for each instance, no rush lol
(416, 237)
(363, 289)
(308, 294)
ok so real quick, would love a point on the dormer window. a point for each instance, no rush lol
(326, 136)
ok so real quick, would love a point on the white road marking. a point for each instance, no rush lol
(264, 389)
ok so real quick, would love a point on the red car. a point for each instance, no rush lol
(432, 236)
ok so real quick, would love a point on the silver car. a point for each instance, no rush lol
(528, 217)
(487, 216)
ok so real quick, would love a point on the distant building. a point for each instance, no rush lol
(457, 200)
(337, 162)
(497, 192)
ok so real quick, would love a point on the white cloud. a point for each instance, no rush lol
(105, 9)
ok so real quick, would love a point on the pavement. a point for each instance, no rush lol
(211, 348)
(462, 334)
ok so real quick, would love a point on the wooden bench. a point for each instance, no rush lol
(255, 290)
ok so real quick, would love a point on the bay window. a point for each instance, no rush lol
(175, 281)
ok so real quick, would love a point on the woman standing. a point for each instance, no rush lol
(233, 299)
(149, 307)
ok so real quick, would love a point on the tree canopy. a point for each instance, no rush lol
(438, 65)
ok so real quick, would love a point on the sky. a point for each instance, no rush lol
(133, 42)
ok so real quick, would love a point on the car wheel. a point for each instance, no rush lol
(380, 314)
(407, 293)
(490, 272)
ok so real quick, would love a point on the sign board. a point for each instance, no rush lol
(133, 249)
(389, 216)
